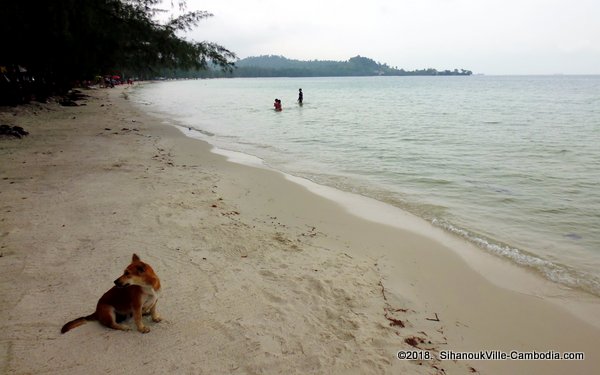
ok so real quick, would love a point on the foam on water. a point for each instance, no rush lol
(555, 272)
(236, 157)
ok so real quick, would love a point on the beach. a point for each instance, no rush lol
(262, 273)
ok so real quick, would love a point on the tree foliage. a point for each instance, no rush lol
(60, 41)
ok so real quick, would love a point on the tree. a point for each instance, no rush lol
(61, 41)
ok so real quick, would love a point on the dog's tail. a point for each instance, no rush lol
(77, 322)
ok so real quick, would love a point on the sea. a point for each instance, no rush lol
(508, 163)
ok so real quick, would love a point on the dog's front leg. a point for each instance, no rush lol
(137, 316)
(155, 317)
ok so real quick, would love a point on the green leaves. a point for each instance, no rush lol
(188, 21)
(68, 40)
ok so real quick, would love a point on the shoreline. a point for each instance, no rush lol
(501, 271)
(252, 263)
(557, 244)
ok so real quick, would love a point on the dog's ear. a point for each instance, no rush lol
(135, 258)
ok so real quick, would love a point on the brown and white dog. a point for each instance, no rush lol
(135, 293)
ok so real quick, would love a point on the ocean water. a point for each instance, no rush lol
(511, 164)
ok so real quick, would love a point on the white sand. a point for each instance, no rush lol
(260, 275)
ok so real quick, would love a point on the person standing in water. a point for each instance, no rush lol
(277, 105)
(300, 96)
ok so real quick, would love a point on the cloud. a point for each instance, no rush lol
(484, 36)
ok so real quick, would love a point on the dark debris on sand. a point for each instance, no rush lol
(71, 98)
(12, 131)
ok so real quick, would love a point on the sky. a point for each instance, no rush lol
(485, 36)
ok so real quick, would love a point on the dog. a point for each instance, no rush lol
(135, 293)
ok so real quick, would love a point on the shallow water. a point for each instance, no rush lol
(512, 164)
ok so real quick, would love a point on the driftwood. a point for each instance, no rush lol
(436, 319)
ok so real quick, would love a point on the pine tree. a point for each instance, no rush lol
(61, 41)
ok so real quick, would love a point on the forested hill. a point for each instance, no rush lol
(279, 66)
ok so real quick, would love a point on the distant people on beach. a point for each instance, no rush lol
(300, 96)
(277, 105)
(109, 82)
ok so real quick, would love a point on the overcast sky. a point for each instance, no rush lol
(485, 36)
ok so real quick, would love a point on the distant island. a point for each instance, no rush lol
(280, 66)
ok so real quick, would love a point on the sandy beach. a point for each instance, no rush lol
(262, 273)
